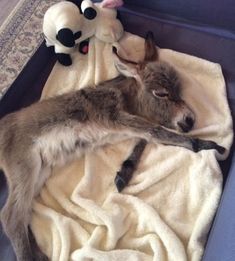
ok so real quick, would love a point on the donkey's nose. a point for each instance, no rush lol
(187, 124)
(114, 49)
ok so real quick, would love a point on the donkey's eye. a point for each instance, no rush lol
(160, 93)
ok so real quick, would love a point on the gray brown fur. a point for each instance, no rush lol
(56, 130)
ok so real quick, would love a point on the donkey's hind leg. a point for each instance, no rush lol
(129, 166)
(16, 213)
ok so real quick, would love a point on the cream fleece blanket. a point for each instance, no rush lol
(166, 211)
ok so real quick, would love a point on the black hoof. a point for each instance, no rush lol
(198, 145)
(220, 149)
(120, 183)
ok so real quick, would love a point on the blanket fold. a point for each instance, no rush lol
(166, 210)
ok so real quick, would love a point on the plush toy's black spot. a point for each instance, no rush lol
(90, 13)
(77, 35)
(64, 59)
(66, 37)
(84, 47)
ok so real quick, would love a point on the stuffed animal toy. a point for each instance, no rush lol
(68, 27)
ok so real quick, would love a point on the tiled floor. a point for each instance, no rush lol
(6, 6)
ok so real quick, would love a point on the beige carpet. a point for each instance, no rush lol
(20, 36)
(6, 7)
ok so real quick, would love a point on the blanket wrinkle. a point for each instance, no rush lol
(165, 213)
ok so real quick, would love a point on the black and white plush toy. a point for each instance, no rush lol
(68, 27)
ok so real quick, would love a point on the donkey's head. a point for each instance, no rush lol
(159, 93)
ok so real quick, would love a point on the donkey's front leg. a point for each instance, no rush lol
(144, 129)
(129, 166)
(171, 138)
(167, 137)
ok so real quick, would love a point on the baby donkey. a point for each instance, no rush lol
(142, 102)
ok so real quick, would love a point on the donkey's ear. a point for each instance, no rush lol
(151, 53)
(125, 67)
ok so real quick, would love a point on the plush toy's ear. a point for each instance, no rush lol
(111, 3)
(66, 37)
(88, 9)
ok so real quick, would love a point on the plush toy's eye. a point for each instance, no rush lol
(160, 93)
(88, 10)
